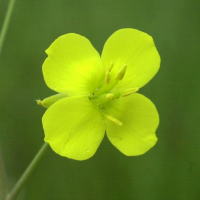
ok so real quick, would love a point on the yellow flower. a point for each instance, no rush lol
(98, 94)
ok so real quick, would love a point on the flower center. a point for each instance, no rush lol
(104, 94)
(109, 84)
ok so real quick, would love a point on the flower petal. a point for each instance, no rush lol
(73, 66)
(140, 121)
(136, 49)
(74, 127)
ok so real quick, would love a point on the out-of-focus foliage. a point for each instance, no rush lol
(171, 170)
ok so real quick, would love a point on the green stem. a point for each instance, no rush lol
(15, 191)
(3, 181)
(6, 23)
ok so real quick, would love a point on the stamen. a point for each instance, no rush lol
(106, 88)
(129, 91)
(111, 66)
(110, 96)
(107, 77)
(121, 73)
(112, 119)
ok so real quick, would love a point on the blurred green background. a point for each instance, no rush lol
(171, 170)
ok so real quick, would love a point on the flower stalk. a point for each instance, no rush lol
(3, 181)
(6, 23)
(15, 191)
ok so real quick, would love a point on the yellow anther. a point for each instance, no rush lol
(39, 102)
(112, 119)
(107, 77)
(121, 73)
(110, 68)
(129, 91)
(110, 96)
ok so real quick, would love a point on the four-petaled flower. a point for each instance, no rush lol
(98, 94)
